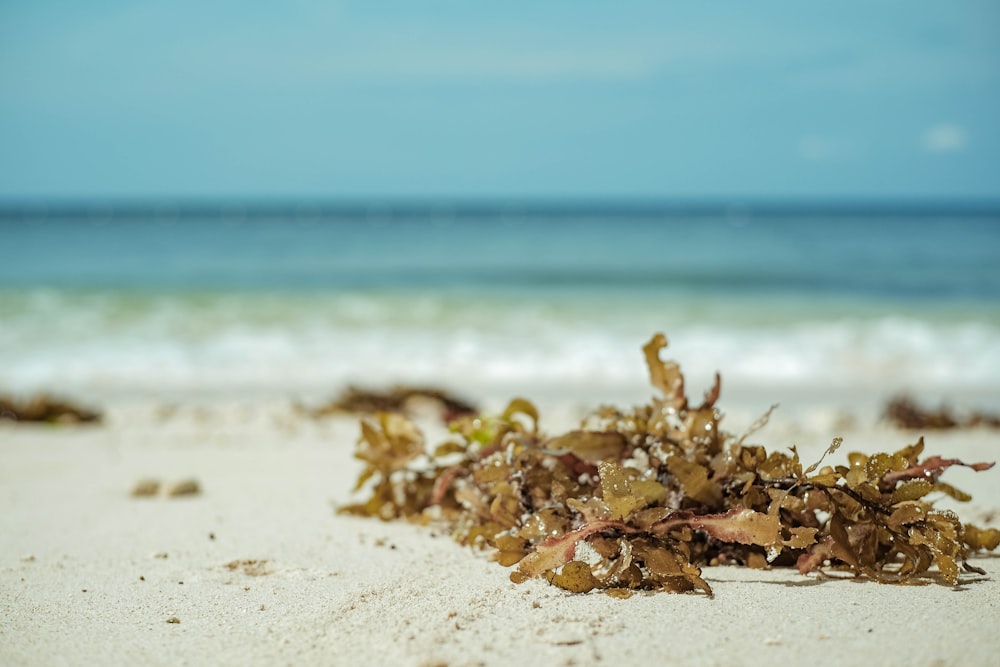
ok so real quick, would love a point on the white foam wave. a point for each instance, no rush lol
(275, 345)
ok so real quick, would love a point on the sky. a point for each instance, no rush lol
(298, 99)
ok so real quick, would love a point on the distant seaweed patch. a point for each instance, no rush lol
(904, 412)
(46, 409)
(398, 399)
(149, 487)
(642, 499)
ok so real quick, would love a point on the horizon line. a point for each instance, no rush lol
(102, 208)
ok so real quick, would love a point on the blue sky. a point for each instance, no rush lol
(251, 100)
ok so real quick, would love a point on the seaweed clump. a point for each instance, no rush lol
(642, 499)
(46, 409)
(905, 413)
(400, 399)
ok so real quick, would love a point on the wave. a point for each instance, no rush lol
(233, 343)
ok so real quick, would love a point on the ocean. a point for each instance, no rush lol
(490, 300)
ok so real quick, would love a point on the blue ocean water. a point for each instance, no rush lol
(496, 299)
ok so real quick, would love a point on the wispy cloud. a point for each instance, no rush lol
(944, 138)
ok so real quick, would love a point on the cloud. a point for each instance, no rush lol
(944, 138)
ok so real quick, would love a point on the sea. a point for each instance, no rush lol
(787, 302)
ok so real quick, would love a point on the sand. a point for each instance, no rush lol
(253, 566)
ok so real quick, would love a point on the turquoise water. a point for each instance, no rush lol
(860, 256)
(494, 301)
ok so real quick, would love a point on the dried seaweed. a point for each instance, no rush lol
(399, 399)
(903, 412)
(642, 499)
(149, 487)
(46, 409)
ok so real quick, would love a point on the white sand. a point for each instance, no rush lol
(90, 575)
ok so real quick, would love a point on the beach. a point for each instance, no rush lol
(468, 334)
(257, 568)
(197, 522)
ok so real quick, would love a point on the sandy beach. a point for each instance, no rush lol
(258, 569)
(228, 230)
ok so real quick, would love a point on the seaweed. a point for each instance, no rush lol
(644, 498)
(46, 409)
(905, 413)
(150, 487)
(399, 399)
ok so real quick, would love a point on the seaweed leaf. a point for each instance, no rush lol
(834, 446)
(617, 492)
(588, 445)
(694, 480)
(575, 577)
(664, 375)
(555, 552)
(930, 469)
(388, 444)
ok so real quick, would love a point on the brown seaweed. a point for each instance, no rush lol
(905, 413)
(642, 499)
(399, 399)
(46, 409)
